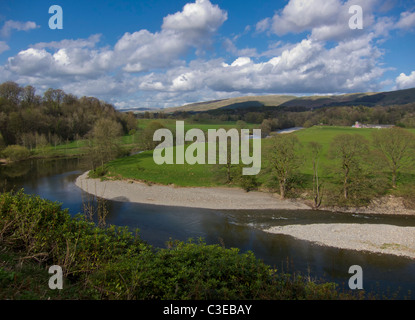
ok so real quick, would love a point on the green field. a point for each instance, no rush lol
(142, 166)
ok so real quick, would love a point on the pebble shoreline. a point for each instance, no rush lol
(377, 238)
(194, 197)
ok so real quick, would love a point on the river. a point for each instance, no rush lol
(55, 180)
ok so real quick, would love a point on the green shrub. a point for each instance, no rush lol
(112, 263)
(49, 234)
(249, 183)
(99, 172)
(16, 153)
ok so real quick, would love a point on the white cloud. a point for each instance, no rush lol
(11, 25)
(197, 19)
(90, 42)
(143, 50)
(307, 67)
(230, 46)
(302, 15)
(31, 62)
(407, 20)
(322, 19)
(263, 25)
(3, 47)
(192, 27)
(140, 51)
(404, 82)
(62, 63)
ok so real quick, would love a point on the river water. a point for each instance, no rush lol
(55, 180)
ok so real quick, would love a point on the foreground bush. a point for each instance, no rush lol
(48, 234)
(112, 263)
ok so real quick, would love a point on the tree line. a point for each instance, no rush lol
(277, 118)
(32, 120)
(358, 171)
(29, 120)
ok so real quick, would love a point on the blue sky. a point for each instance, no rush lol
(167, 53)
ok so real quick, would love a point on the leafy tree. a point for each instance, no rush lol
(145, 140)
(28, 95)
(131, 122)
(397, 148)
(54, 96)
(105, 146)
(240, 124)
(349, 149)
(284, 159)
(10, 91)
(266, 127)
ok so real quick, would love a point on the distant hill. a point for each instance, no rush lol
(369, 99)
(240, 102)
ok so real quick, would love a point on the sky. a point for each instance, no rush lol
(165, 53)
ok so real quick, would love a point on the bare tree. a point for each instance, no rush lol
(316, 149)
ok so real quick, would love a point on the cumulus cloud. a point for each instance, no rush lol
(307, 67)
(313, 13)
(11, 25)
(79, 66)
(405, 82)
(140, 51)
(64, 62)
(191, 27)
(323, 19)
(196, 20)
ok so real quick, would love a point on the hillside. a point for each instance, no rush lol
(249, 101)
(369, 99)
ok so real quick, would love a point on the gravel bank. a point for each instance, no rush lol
(379, 238)
(208, 198)
(384, 205)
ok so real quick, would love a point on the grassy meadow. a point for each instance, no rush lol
(142, 166)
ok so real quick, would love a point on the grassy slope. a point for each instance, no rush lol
(142, 166)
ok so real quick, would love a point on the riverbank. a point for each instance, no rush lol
(385, 239)
(377, 238)
(220, 197)
(194, 197)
